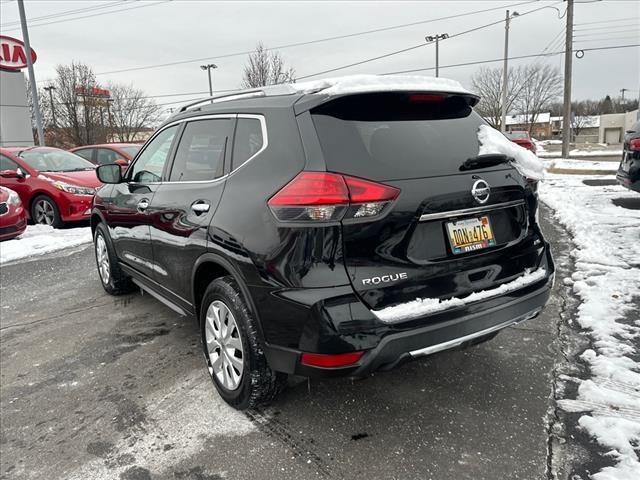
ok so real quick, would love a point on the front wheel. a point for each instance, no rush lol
(113, 279)
(44, 211)
(235, 360)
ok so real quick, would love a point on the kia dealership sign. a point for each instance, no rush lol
(13, 54)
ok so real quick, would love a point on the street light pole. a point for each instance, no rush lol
(437, 38)
(505, 72)
(32, 75)
(208, 69)
(50, 89)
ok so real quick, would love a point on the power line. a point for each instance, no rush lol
(65, 13)
(396, 52)
(95, 14)
(606, 21)
(628, 37)
(605, 34)
(320, 40)
(610, 27)
(519, 57)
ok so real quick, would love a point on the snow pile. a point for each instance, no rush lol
(526, 162)
(607, 281)
(41, 239)
(427, 306)
(379, 83)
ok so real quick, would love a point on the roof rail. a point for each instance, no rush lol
(268, 91)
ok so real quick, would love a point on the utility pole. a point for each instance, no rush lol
(208, 69)
(505, 72)
(622, 90)
(568, 59)
(50, 89)
(32, 75)
(437, 38)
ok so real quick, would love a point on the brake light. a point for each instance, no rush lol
(324, 196)
(634, 144)
(330, 360)
(426, 98)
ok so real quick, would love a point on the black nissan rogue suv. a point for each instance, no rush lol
(324, 231)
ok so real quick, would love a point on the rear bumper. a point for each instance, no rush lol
(389, 346)
(624, 179)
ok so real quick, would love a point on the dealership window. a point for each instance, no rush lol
(200, 154)
(248, 140)
(150, 163)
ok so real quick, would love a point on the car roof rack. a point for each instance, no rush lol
(272, 90)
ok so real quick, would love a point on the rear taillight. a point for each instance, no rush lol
(634, 144)
(325, 197)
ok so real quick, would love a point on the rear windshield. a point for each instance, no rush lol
(394, 136)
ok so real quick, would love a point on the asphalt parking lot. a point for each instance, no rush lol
(100, 387)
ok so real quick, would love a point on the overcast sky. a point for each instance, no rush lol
(145, 33)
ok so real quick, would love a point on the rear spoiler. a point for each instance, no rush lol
(312, 100)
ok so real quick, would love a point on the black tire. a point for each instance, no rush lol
(259, 385)
(52, 212)
(117, 282)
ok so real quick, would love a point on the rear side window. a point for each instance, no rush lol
(106, 156)
(248, 140)
(7, 163)
(200, 154)
(397, 135)
(87, 153)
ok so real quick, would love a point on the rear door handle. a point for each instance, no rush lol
(200, 207)
(143, 205)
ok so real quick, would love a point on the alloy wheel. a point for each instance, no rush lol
(44, 212)
(102, 256)
(224, 345)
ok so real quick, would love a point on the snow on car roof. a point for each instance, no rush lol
(380, 83)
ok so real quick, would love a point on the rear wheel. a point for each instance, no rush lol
(44, 211)
(235, 360)
(113, 279)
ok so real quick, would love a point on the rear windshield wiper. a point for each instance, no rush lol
(482, 161)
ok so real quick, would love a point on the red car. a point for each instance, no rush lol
(55, 186)
(120, 153)
(522, 138)
(13, 218)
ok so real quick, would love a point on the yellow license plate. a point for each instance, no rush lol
(470, 234)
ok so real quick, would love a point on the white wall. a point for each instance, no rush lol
(618, 122)
(15, 118)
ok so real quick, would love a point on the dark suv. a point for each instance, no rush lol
(324, 231)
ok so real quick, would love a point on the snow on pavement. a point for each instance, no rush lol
(41, 239)
(607, 282)
(570, 164)
(581, 153)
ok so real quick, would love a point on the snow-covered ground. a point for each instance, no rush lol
(581, 153)
(607, 282)
(41, 239)
(570, 164)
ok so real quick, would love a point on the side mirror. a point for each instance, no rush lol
(110, 173)
(122, 162)
(12, 173)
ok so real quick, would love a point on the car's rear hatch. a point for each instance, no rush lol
(418, 143)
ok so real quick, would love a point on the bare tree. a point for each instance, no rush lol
(487, 83)
(266, 68)
(77, 110)
(542, 85)
(129, 112)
